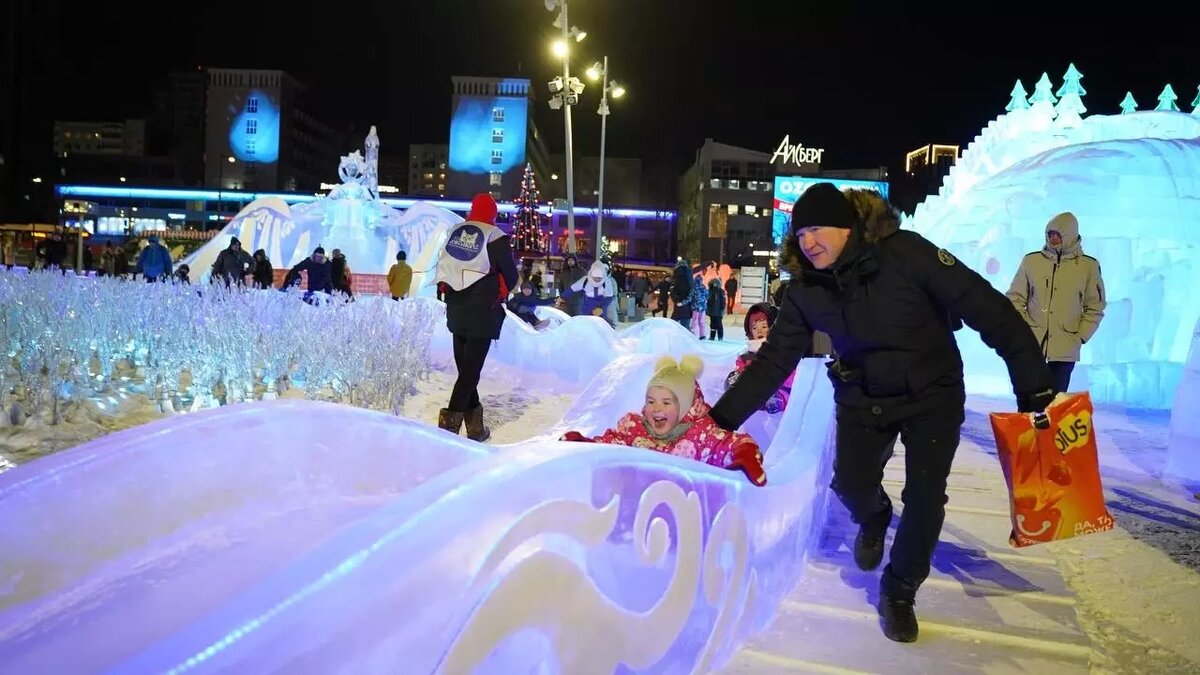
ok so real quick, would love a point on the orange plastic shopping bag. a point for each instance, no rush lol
(1053, 474)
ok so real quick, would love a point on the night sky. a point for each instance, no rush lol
(866, 81)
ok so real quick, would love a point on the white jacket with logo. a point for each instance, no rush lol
(1060, 293)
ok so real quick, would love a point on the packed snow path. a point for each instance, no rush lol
(1123, 601)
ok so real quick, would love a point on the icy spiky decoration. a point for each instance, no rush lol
(69, 338)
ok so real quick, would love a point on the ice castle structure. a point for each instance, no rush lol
(1133, 181)
(352, 217)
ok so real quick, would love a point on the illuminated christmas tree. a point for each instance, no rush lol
(1017, 102)
(1196, 103)
(1128, 105)
(1166, 100)
(527, 222)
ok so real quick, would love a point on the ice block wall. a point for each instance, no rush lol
(1133, 182)
(1183, 450)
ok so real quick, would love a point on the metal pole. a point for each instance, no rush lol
(603, 131)
(566, 36)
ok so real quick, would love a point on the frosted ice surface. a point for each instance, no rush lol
(1133, 181)
(290, 536)
(1183, 451)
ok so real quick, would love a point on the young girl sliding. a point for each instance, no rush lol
(675, 420)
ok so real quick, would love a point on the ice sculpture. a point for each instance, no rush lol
(351, 217)
(350, 541)
(1183, 451)
(1166, 100)
(1133, 181)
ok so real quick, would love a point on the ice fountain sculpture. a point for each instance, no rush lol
(1133, 181)
(351, 217)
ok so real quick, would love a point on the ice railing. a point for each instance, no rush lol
(311, 537)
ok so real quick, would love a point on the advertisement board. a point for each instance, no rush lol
(487, 145)
(789, 188)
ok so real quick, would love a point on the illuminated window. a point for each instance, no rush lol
(735, 185)
(442, 176)
(497, 135)
(749, 210)
(252, 104)
(732, 209)
(497, 156)
(251, 126)
(249, 147)
(716, 183)
(494, 178)
(497, 114)
(441, 187)
(442, 166)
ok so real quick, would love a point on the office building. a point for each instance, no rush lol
(492, 137)
(725, 203)
(427, 169)
(258, 135)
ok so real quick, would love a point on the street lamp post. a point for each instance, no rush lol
(569, 90)
(601, 70)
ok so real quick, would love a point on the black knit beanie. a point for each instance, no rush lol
(823, 205)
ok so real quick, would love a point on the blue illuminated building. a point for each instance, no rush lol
(492, 136)
(258, 135)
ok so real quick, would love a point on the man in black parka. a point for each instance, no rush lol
(890, 300)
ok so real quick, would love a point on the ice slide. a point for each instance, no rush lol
(308, 537)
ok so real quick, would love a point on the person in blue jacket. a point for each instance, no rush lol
(154, 262)
(525, 303)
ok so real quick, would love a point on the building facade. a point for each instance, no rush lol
(725, 203)
(924, 170)
(258, 135)
(100, 138)
(622, 180)
(427, 169)
(492, 137)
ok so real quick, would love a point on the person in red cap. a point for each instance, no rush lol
(474, 273)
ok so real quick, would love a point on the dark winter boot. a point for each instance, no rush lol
(868, 545)
(476, 430)
(450, 421)
(896, 615)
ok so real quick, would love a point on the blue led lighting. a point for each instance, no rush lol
(183, 195)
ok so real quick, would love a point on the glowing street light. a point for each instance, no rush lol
(565, 92)
(599, 70)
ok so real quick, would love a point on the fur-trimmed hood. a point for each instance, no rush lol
(877, 220)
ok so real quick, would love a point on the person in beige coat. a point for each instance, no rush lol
(1060, 293)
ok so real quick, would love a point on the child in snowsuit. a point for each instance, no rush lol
(596, 290)
(525, 303)
(758, 326)
(675, 420)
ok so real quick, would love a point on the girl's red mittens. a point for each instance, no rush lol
(576, 437)
(748, 460)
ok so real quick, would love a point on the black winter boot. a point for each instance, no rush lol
(896, 615)
(868, 545)
(476, 429)
(450, 421)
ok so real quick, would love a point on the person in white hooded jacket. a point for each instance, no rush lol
(1060, 293)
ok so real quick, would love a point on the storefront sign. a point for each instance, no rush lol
(797, 154)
